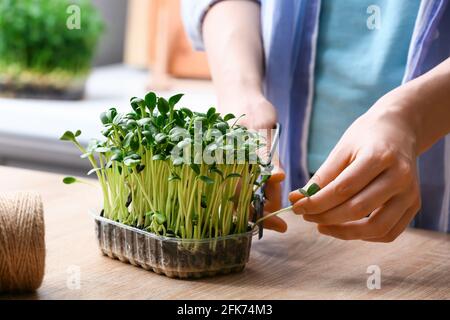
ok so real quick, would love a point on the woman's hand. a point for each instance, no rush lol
(369, 182)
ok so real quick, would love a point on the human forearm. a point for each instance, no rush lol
(425, 104)
(232, 37)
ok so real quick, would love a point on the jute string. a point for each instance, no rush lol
(22, 245)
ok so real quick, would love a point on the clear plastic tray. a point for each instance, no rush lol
(176, 258)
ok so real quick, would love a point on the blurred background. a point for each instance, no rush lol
(62, 62)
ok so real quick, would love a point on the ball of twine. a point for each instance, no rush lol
(22, 244)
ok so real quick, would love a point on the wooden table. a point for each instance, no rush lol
(300, 264)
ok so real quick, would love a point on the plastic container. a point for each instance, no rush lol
(175, 258)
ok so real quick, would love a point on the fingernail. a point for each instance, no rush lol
(300, 211)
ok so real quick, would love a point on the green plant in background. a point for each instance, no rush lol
(37, 47)
(155, 174)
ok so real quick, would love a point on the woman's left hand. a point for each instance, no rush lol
(369, 182)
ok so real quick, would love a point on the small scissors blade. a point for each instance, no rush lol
(260, 197)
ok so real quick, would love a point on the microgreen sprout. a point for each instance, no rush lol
(173, 171)
(72, 180)
(312, 190)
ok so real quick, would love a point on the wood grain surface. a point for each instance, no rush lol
(300, 264)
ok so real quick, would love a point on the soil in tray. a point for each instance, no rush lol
(205, 256)
(174, 258)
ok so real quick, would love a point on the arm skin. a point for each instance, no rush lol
(232, 37)
(372, 169)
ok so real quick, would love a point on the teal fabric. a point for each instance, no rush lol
(355, 65)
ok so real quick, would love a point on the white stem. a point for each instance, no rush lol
(271, 215)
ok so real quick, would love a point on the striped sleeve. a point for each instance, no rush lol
(193, 12)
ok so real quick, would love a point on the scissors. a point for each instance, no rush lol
(260, 198)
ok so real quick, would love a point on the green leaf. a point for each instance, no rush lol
(140, 168)
(159, 217)
(177, 132)
(137, 104)
(127, 139)
(69, 180)
(68, 136)
(106, 131)
(102, 149)
(108, 116)
(222, 127)
(117, 156)
(177, 162)
(213, 118)
(118, 119)
(173, 100)
(184, 143)
(163, 106)
(187, 112)
(174, 177)
(132, 115)
(211, 112)
(160, 137)
(229, 116)
(131, 162)
(144, 121)
(233, 175)
(303, 192)
(203, 202)
(168, 125)
(157, 157)
(313, 189)
(150, 100)
(196, 168)
(206, 179)
(131, 124)
(104, 118)
(217, 171)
